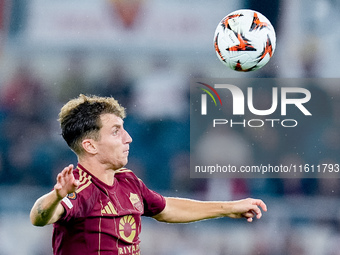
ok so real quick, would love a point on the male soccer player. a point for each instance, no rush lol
(96, 208)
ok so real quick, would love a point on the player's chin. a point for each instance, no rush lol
(123, 162)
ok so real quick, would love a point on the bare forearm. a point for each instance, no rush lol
(180, 210)
(47, 209)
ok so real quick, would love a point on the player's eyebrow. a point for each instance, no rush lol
(118, 125)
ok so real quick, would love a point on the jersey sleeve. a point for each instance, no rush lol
(71, 206)
(154, 203)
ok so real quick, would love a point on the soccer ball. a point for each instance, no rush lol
(245, 40)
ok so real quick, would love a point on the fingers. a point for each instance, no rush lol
(67, 170)
(66, 182)
(255, 209)
(260, 203)
(59, 181)
(250, 215)
(76, 183)
(257, 205)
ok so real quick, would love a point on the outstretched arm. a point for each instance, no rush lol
(179, 210)
(48, 209)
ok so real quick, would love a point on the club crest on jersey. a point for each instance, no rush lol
(135, 201)
(72, 196)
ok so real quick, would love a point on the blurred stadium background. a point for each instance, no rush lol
(144, 53)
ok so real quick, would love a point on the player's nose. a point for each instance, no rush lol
(127, 137)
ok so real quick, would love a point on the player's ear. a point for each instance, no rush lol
(89, 146)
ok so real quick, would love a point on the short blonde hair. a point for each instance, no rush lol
(80, 118)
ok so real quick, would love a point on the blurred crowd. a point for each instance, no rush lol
(32, 150)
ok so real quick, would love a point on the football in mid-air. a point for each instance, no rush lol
(245, 40)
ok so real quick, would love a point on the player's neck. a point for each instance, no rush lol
(100, 171)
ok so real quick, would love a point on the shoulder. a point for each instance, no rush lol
(85, 182)
(126, 175)
(123, 170)
(86, 193)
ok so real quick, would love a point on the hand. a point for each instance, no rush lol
(66, 183)
(248, 208)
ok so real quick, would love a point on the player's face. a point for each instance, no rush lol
(114, 141)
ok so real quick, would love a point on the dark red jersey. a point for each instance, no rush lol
(104, 220)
